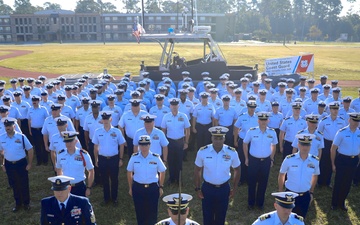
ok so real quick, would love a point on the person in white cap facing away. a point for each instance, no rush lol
(178, 210)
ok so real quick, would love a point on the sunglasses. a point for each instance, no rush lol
(175, 212)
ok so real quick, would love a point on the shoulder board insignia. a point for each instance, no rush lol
(315, 157)
(287, 118)
(324, 118)
(299, 217)
(252, 128)
(156, 155)
(320, 132)
(61, 151)
(84, 151)
(264, 217)
(342, 129)
(341, 118)
(231, 148)
(204, 147)
(193, 224)
(300, 131)
(271, 129)
(135, 154)
(163, 223)
(289, 156)
(241, 114)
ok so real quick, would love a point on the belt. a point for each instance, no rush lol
(108, 157)
(217, 185)
(204, 124)
(77, 184)
(144, 185)
(36, 128)
(14, 162)
(299, 193)
(348, 156)
(260, 159)
(180, 139)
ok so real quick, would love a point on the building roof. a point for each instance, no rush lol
(54, 11)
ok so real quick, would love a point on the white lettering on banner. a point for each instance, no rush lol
(288, 65)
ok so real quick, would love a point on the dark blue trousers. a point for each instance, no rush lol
(146, 199)
(215, 203)
(18, 177)
(301, 203)
(287, 149)
(244, 168)
(203, 136)
(79, 189)
(97, 179)
(258, 176)
(109, 171)
(345, 172)
(325, 164)
(175, 157)
(130, 146)
(41, 153)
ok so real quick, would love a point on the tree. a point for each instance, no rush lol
(51, 6)
(87, 6)
(152, 6)
(314, 33)
(108, 7)
(131, 6)
(5, 9)
(24, 7)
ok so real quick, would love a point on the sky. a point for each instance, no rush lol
(71, 4)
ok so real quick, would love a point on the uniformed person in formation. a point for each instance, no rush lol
(302, 171)
(345, 152)
(146, 175)
(213, 163)
(64, 207)
(73, 161)
(177, 204)
(13, 161)
(284, 203)
(259, 158)
(109, 152)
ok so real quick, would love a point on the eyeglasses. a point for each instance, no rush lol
(175, 212)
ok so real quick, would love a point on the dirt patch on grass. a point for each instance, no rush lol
(12, 73)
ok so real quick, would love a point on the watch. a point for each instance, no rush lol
(197, 189)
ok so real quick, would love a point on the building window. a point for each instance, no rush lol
(90, 28)
(115, 18)
(151, 18)
(129, 27)
(85, 28)
(20, 21)
(67, 20)
(115, 36)
(26, 29)
(62, 20)
(16, 21)
(54, 20)
(107, 27)
(129, 18)
(107, 19)
(81, 29)
(107, 36)
(67, 29)
(158, 27)
(7, 29)
(21, 29)
(72, 20)
(94, 19)
(37, 20)
(72, 28)
(80, 20)
(158, 18)
(172, 18)
(202, 18)
(115, 27)
(85, 20)
(94, 29)
(89, 19)
(25, 21)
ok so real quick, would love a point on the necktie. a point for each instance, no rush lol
(62, 209)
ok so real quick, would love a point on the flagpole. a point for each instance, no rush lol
(142, 14)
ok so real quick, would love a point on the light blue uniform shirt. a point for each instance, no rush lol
(348, 142)
(13, 147)
(285, 106)
(225, 117)
(299, 172)
(47, 105)
(329, 127)
(216, 166)
(122, 103)
(116, 115)
(239, 106)
(91, 124)
(158, 139)
(68, 111)
(204, 114)
(272, 218)
(14, 112)
(73, 165)
(316, 144)
(217, 103)
(187, 107)
(275, 120)
(159, 113)
(57, 143)
(73, 102)
(146, 169)
(291, 127)
(310, 106)
(131, 123)
(264, 106)
(81, 114)
(23, 108)
(175, 125)
(277, 97)
(344, 114)
(355, 104)
(2, 128)
(37, 116)
(49, 128)
(108, 141)
(245, 122)
(128, 107)
(260, 141)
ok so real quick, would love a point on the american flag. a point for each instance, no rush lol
(137, 31)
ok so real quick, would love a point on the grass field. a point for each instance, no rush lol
(339, 62)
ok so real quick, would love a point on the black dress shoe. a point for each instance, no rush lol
(27, 207)
(115, 202)
(344, 208)
(333, 207)
(16, 208)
